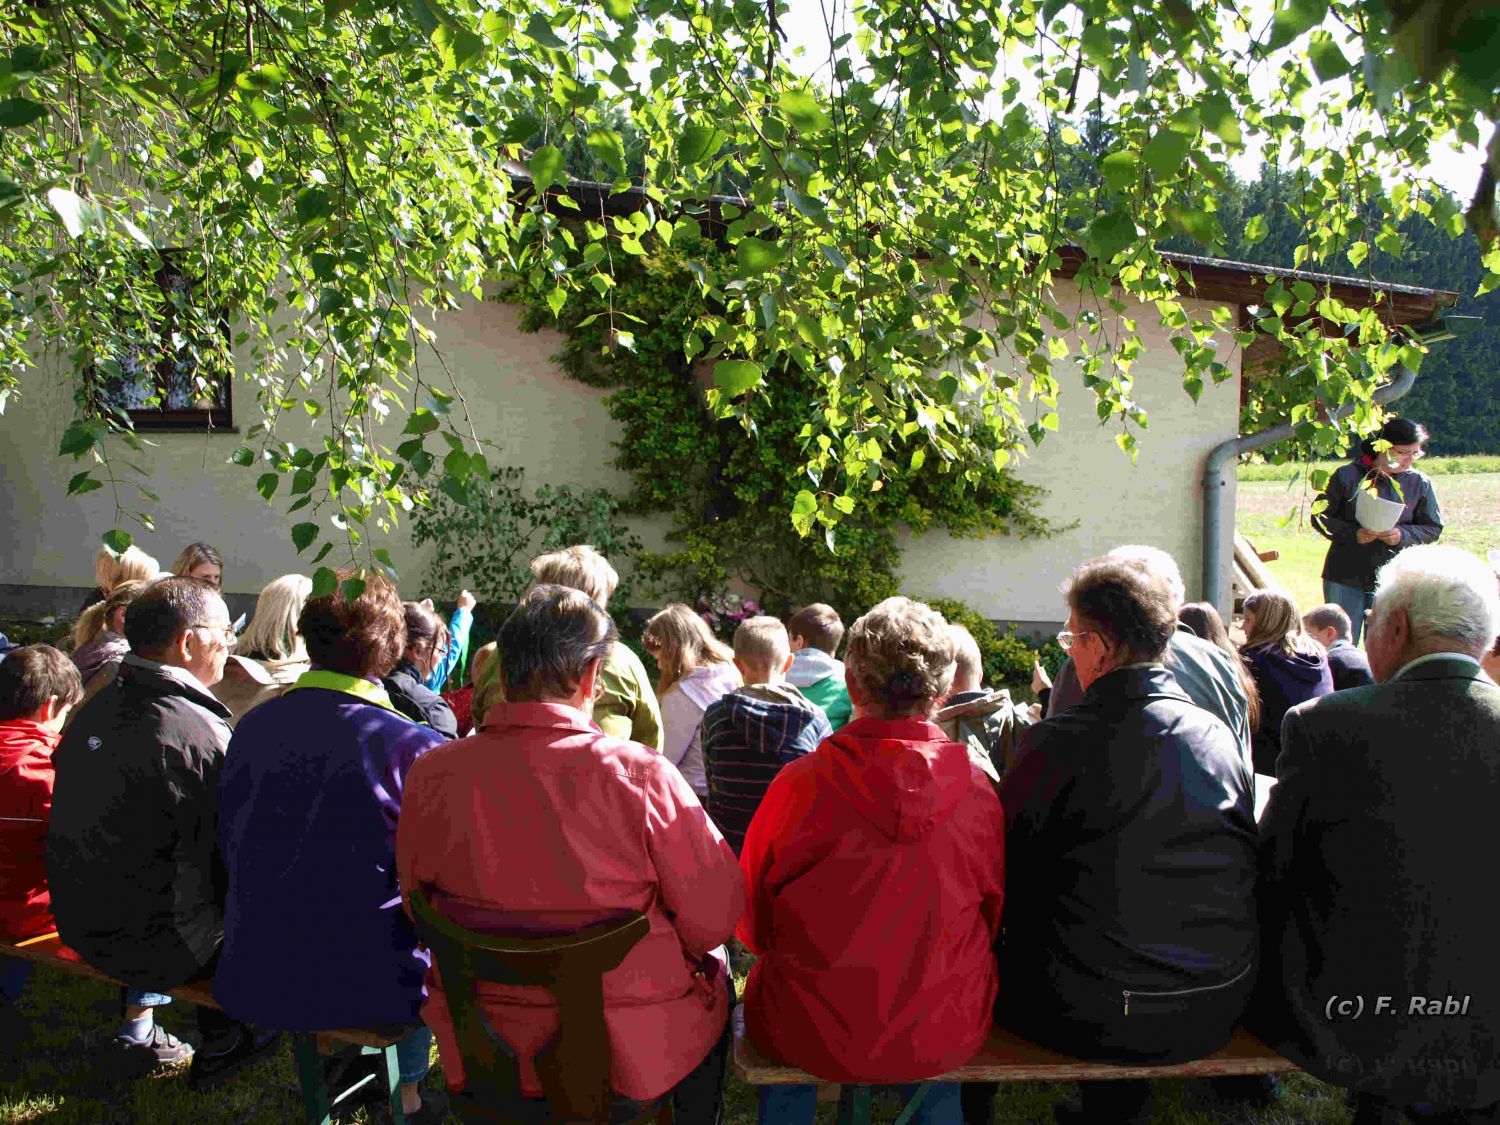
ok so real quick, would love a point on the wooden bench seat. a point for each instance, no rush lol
(308, 1048)
(1006, 1057)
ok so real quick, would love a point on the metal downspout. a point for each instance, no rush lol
(1215, 484)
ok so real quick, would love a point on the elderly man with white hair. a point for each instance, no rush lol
(1201, 669)
(1379, 970)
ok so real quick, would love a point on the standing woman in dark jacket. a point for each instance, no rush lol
(1289, 668)
(426, 645)
(1356, 553)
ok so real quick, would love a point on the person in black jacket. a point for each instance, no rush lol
(426, 645)
(1355, 552)
(1130, 928)
(1329, 625)
(133, 846)
(1385, 804)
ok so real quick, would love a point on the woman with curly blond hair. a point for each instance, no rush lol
(877, 859)
(696, 669)
(112, 570)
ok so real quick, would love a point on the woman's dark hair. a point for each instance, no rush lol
(422, 624)
(31, 675)
(1126, 602)
(365, 637)
(1203, 619)
(548, 643)
(1397, 431)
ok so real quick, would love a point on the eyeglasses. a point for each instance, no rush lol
(1395, 454)
(224, 632)
(1067, 639)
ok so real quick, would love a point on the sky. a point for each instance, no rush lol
(1455, 166)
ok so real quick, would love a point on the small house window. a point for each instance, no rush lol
(181, 379)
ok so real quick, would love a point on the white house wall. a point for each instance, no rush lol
(560, 431)
(1157, 501)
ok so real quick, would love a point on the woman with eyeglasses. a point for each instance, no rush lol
(426, 646)
(1357, 552)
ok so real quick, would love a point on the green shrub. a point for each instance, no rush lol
(53, 633)
(488, 531)
(729, 488)
(1007, 658)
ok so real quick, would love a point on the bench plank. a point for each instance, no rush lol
(1006, 1057)
(48, 949)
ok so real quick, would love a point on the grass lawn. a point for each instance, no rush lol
(54, 1076)
(1471, 519)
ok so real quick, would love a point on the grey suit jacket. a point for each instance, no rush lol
(1380, 927)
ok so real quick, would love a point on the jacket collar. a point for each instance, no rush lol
(25, 732)
(366, 691)
(1440, 666)
(1134, 681)
(171, 680)
(907, 728)
(543, 716)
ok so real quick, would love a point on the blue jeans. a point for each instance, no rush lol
(413, 1055)
(795, 1105)
(1353, 601)
(14, 973)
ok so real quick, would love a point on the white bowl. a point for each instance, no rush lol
(1376, 513)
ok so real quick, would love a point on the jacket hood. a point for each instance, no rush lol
(748, 709)
(707, 683)
(811, 665)
(1300, 667)
(904, 776)
(21, 737)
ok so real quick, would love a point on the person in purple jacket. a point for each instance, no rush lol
(1289, 668)
(314, 935)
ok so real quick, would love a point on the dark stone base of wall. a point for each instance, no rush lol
(37, 603)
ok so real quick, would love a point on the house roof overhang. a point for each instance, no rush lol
(1211, 279)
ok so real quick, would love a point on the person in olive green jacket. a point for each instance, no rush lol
(626, 706)
(815, 631)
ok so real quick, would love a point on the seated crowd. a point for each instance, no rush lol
(911, 858)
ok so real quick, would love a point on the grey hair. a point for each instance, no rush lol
(1158, 562)
(1448, 594)
(547, 644)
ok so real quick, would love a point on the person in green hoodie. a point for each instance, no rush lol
(815, 632)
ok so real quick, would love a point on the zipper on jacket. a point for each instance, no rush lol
(1126, 994)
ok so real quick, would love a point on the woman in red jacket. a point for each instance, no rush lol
(38, 687)
(875, 873)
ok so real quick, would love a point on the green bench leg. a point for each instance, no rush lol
(854, 1105)
(319, 1101)
(910, 1109)
(315, 1099)
(392, 1080)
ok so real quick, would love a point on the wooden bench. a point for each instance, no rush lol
(308, 1048)
(1006, 1057)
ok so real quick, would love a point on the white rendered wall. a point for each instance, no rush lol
(1157, 501)
(561, 432)
(518, 398)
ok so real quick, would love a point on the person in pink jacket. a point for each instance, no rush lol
(541, 823)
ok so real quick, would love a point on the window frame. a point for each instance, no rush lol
(217, 417)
